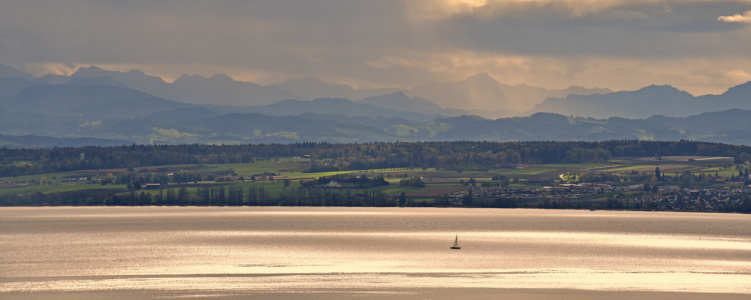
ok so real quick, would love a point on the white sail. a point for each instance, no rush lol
(456, 243)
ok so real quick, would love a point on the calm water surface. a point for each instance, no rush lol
(248, 251)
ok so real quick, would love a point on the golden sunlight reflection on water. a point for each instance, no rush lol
(236, 250)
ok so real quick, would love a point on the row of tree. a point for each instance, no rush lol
(332, 157)
(218, 195)
(348, 180)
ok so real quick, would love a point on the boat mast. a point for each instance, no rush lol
(456, 243)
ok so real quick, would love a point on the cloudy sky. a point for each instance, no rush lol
(700, 46)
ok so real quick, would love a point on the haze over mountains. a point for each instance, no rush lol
(479, 93)
(648, 101)
(96, 106)
(482, 92)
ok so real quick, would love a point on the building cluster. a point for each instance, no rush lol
(10, 184)
(78, 179)
(708, 200)
(527, 193)
(666, 198)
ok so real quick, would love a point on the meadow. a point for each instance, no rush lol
(280, 175)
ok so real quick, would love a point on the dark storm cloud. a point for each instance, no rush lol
(390, 42)
(653, 29)
(237, 32)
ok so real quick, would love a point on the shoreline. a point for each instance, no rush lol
(377, 294)
(364, 207)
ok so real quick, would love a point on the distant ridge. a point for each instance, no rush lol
(10, 72)
(218, 89)
(84, 102)
(483, 92)
(400, 101)
(336, 106)
(222, 90)
(197, 125)
(31, 141)
(128, 107)
(309, 88)
(479, 93)
(646, 102)
(96, 81)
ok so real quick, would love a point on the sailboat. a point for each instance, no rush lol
(456, 243)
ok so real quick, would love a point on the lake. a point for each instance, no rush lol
(371, 253)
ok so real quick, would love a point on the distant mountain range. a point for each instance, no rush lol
(109, 108)
(479, 94)
(218, 89)
(164, 121)
(482, 92)
(309, 88)
(647, 102)
(238, 128)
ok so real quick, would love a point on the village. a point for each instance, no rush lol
(663, 198)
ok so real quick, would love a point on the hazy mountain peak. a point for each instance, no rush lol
(479, 91)
(466, 118)
(400, 101)
(654, 90)
(96, 81)
(580, 90)
(216, 78)
(546, 115)
(136, 72)
(332, 100)
(310, 87)
(8, 71)
(399, 94)
(53, 79)
(743, 89)
(220, 89)
(655, 87)
(189, 77)
(90, 71)
(12, 81)
(483, 92)
(481, 75)
(642, 103)
(221, 77)
(135, 79)
(482, 78)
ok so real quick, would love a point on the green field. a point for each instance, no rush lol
(631, 168)
(721, 171)
(289, 165)
(50, 177)
(580, 166)
(292, 169)
(62, 188)
(527, 171)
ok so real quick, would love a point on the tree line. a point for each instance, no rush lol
(462, 155)
(217, 195)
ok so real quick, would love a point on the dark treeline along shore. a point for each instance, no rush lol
(136, 172)
(339, 157)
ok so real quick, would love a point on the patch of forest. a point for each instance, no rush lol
(455, 156)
